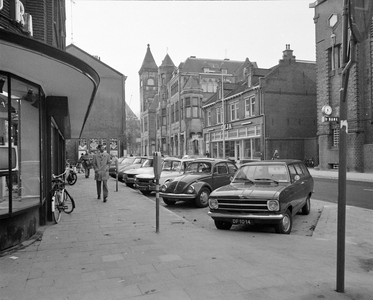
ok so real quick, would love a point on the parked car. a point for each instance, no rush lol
(171, 168)
(200, 178)
(128, 176)
(242, 161)
(137, 163)
(263, 192)
(122, 161)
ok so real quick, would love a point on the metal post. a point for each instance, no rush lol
(342, 168)
(223, 111)
(157, 205)
(116, 177)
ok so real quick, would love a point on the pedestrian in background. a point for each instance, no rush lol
(101, 164)
(275, 155)
(87, 163)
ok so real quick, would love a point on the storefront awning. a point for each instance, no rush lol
(59, 73)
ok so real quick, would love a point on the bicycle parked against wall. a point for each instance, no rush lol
(70, 171)
(61, 199)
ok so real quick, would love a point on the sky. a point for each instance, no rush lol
(119, 32)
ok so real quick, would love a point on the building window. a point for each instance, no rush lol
(164, 117)
(172, 113)
(234, 111)
(177, 111)
(150, 81)
(210, 87)
(335, 57)
(182, 109)
(209, 118)
(335, 137)
(219, 117)
(250, 107)
(145, 124)
(174, 88)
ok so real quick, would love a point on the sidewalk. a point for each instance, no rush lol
(334, 174)
(112, 251)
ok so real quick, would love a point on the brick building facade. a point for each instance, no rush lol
(328, 24)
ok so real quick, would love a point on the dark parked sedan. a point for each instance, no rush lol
(264, 192)
(200, 178)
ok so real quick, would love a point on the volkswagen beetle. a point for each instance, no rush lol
(200, 178)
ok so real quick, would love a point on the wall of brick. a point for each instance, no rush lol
(368, 157)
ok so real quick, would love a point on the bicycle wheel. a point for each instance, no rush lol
(56, 206)
(72, 179)
(68, 203)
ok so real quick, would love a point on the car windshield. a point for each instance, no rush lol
(261, 172)
(137, 161)
(147, 163)
(127, 160)
(198, 167)
(171, 165)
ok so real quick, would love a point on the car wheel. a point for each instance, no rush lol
(223, 225)
(202, 199)
(285, 225)
(129, 185)
(307, 206)
(169, 202)
(145, 192)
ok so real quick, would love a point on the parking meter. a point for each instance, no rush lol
(157, 167)
(157, 164)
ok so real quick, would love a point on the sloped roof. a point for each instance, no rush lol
(228, 88)
(193, 64)
(192, 83)
(129, 112)
(167, 62)
(148, 62)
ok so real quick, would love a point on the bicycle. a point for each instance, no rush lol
(61, 199)
(72, 177)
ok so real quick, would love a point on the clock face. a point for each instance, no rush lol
(326, 109)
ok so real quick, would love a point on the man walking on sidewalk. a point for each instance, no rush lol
(101, 164)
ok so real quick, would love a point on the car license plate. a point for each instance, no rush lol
(142, 188)
(241, 221)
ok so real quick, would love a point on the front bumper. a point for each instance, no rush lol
(177, 196)
(143, 187)
(228, 216)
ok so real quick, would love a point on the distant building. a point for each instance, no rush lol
(106, 123)
(328, 24)
(171, 102)
(268, 110)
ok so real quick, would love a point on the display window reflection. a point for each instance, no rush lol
(19, 144)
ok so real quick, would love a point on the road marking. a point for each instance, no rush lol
(369, 190)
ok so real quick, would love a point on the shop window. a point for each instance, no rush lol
(19, 143)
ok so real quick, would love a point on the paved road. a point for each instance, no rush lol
(358, 193)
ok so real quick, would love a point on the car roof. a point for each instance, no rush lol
(273, 162)
(212, 160)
